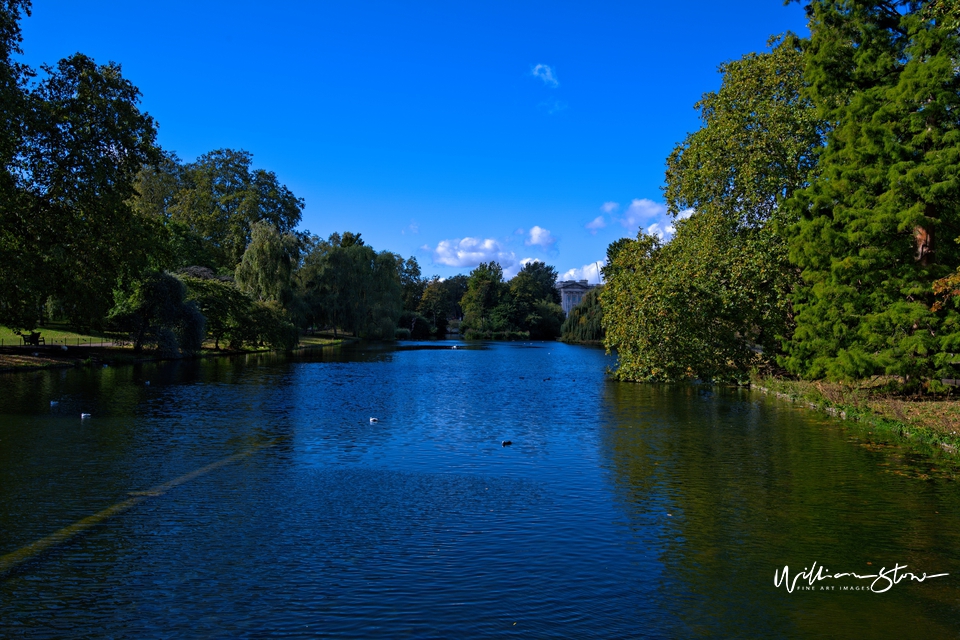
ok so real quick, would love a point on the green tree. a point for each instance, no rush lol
(456, 287)
(435, 304)
(69, 231)
(873, 228)
(157, 312)
(266, 269)
(585, 321)
(349, 285)
(411, 282)
(222, 197)
(223, 305)
(485, 288)
(535, 301)
(712, 300)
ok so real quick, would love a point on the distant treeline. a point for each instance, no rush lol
(100, 227)
(817, 212)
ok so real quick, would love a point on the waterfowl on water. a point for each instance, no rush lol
(505, 443)
(84, 416)
(373, 420)
(54, 403)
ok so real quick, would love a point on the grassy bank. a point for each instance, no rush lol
(931, 423)
(60, 334)
(54, 355)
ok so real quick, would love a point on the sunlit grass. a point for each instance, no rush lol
(58, 334)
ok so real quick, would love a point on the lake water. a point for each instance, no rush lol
(620, 510)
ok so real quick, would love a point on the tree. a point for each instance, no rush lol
(585, 321)
(266, 268)
(69, 231)
(456, 287)
(874, 227)
(536, 302)
(222, 304)
(435, 304)
(156, 312)
(485, 288)
(222, 197)
(411, 283)
(712, 302)
(349, 285)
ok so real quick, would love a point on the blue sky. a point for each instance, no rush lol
(456, 132)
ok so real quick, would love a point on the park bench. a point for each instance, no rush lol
(33, 338)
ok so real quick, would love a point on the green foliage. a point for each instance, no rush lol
(411, 282)
(208, 208)
(266, 269)
(157, 313)
(485, 288)
(874, 229)
(524, 308)
(266, 323)
(417, 326)
(222, 304)
(585, 321)
(436, 304)
(713, 302)
(705, 305)
(66, 231)
(346, 284)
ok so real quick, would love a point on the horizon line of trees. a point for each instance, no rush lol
(100, 227)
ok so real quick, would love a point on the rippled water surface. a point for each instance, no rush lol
(619, 510)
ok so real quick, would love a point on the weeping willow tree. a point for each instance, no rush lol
(585, 321)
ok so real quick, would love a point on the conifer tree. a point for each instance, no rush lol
(876, 227)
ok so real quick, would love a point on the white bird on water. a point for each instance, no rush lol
(84, 416)
(373, 420)
(54, 403)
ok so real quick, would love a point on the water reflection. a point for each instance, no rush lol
(620, 510)
(740, 486)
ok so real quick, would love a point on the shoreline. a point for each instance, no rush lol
(52, 357)
(932, 425)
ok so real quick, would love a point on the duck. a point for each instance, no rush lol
(84, 416)
(505, 443)
(373, 421)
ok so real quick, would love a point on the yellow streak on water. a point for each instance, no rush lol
(12, 560)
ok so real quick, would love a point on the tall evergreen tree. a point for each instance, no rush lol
(876, 227)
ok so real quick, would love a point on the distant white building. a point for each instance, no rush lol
(572, 292)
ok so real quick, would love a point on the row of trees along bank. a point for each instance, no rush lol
(100, 227)
(817, 212)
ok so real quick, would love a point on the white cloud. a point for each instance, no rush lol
(527, 261)
(660, 230)
(540, 237)
(469, 252)
(686, 213)
(589, 272)
(545, 73)
(609, 207)
(641, 211)
(596, 224)
(413, 227)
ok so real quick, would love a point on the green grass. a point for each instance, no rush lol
(55, 333)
